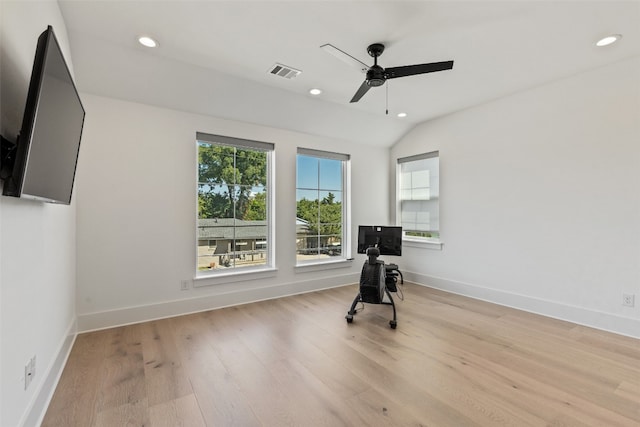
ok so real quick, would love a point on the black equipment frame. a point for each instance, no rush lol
(373, 285)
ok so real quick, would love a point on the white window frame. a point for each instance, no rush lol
(257, 272)
(417, 241)
(345, 254)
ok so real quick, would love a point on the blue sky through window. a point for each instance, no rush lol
(317, 177)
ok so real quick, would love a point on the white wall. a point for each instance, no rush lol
(539, 199)
(37, 241)
(136, 212)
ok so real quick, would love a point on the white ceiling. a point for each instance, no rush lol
(214, 56)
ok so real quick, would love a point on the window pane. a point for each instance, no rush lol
(251, 167)
(405, 179)
(330, 174)
(256, 209)
(421, 178)
(307, 195)
(420, 193)
(232, 206)
(307, 172)
(330, 218)
(211, 201)
(405, 194)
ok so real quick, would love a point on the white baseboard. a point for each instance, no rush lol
(38, 406)
(580, 315)
(131, 315)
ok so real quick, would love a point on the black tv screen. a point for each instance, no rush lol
(388, 239)
(47, 147)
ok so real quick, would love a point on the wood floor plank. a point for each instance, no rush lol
(123, 369)
(68, 407)
(165, 378)
(630, 390)
(452, 361)
(180, 412)
(134, 414)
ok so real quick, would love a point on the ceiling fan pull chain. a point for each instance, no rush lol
(387, 99)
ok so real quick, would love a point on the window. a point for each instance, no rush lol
(321, 206)
(418, 196)
(234, 205)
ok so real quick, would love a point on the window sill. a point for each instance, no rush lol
(323, 265)
(423, 244)
(217, 278)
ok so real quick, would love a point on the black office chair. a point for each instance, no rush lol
(373, 285)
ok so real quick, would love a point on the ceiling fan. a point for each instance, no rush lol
(376, 75)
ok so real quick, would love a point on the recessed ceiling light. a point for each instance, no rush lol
(606, 41)
(315, 91)
(401, 115)
(147, 41)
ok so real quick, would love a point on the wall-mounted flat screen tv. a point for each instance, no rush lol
(46, 151)
(388, 239)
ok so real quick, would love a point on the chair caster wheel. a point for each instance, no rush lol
(393, 324)
(349, 318)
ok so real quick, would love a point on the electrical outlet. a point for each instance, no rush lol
(29, 371)
(628, 300)
(27, 374)
(185, 285)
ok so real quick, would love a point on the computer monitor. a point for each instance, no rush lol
(388, 239)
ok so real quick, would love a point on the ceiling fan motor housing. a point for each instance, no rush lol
(375, 76)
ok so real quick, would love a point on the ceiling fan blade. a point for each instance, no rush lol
(411, 70)
(345, 57)
(364, 87)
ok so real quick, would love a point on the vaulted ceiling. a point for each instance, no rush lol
(214, 57)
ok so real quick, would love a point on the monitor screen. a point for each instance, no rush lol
(388, 239)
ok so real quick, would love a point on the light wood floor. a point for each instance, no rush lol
(452, 361)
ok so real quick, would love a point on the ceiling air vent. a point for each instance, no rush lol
(284, 71)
